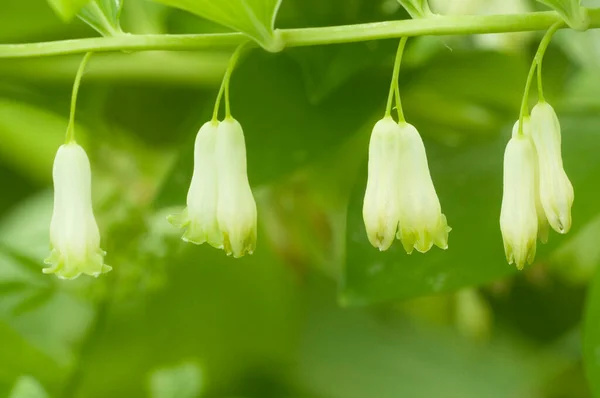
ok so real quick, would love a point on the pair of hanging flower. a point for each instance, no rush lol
(537, 191)
(220, 206)
(221, 209)
(400, 199)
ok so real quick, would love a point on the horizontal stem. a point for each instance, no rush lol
(125, 42)
(437, 26)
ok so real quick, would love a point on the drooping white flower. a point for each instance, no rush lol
(421, 223)
(518, 216)
(199, 219)
(74, 234)
(236, 208)
(556, 191)
(381, 209)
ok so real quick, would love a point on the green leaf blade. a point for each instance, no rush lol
(591, 336)
(255, 18)
(28, 387)
(103, 16)
(67, 9)
(571, 11)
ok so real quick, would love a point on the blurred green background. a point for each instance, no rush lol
(315, 312)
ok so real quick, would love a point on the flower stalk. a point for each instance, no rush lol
(70, 136)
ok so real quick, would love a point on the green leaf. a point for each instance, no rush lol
(28, 387)
(591, 336)
(571, 11)
(10, 287)
(26, 262)
(103, 15)
(41, 21)
(67, 9)
(35, 301)
(468, 181)
(206, 287)
(26, 129)
(183, 381)
(357, 354)
(20, 356)
(417, 8)
(577, 259)
(327, 69)
(48, 315)
(256, 18)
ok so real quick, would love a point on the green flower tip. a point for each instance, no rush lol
(71, 267)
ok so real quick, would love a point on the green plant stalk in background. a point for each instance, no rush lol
(437, 26)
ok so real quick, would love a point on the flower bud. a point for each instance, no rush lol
(422, 223)
(199, 219)
(518, 216)
(74, 234)
(556, 191)
(236, 208)
(381, 207)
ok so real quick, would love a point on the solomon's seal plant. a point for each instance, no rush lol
(400, 200)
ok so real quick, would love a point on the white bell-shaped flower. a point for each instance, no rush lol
(518, 216)
(199, 219)
(422, 223)
(236, 208)
(556, 191)
(381, 209)
(74, 234)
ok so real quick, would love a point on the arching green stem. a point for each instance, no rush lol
(224, 89)
(438, 26)
(394, 90)
(536, 64)
(71, 127)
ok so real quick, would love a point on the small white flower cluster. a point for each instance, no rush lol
(220, 206)
(537, 191)
(400, 199)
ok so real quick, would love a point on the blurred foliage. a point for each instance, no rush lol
(176, 320)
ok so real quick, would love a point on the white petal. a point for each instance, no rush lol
(380, 206)
(236, 208)
(199, 219)
(556, 191)
(518, 216)
(543, 227)
(422, 223)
